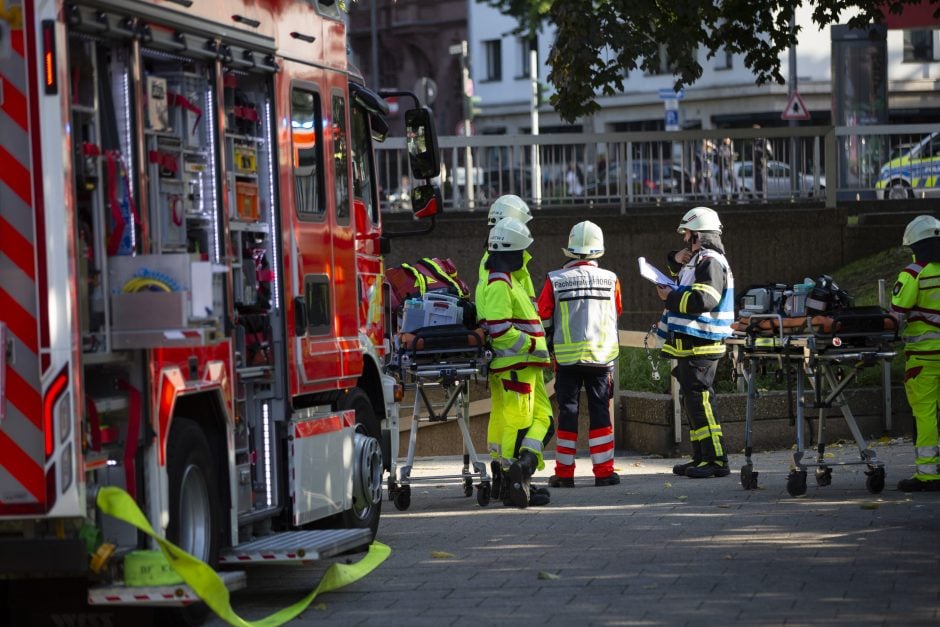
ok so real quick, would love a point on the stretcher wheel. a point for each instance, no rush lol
(748, 477)
(823, 476)
(402, 498)
(876, 480)
(796, 483)
(483, 494)
(468, 487)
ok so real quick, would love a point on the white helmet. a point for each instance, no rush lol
(586, 241)
(509, 206)
(509, 234)
(920, 228)
(699, 219)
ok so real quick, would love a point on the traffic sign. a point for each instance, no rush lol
(671, 94)
(796, 108)
(426, 89)
(672, 119)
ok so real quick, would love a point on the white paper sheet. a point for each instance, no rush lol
(653, 274)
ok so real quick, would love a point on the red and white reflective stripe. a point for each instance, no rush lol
(22, 442)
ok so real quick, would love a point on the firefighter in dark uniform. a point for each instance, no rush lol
(698, 316)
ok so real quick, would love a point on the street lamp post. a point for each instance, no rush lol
(536, 165)
(374, 41)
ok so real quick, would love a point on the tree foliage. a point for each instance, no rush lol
(598, 42)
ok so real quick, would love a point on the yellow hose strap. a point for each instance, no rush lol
(206, 583)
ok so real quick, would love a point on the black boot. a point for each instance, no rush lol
(497, 477)
(519, 474)
(679, 469)
(504, 488)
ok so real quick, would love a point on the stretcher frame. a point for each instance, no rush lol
(450, 370)
(814, 355)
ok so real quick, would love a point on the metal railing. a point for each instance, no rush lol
(622, 170)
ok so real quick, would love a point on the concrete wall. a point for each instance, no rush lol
(645, 422)
(769, 243)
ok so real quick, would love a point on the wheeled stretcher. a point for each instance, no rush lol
(444, 359)
(828, 353)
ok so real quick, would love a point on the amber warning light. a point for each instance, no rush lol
(50, 80)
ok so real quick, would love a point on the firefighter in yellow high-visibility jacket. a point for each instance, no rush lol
(520, 354)
(916, 298)
(512, 206)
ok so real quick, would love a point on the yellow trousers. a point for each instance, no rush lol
(520, 414)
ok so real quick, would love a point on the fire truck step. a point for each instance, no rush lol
(294, 547)
(176, 595)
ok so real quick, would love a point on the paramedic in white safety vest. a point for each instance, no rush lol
(505, 310)
(916, 298)
(512, 206)
(579, 306)
(698, 316)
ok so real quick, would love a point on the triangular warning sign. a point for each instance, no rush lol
(796, 108)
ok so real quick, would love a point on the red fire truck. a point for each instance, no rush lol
(191, 285)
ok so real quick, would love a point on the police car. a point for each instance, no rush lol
(912, 172)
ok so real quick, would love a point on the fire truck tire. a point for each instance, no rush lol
(367, 465)
(358, 400)
(194, 508)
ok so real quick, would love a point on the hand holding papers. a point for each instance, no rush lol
(652, 274)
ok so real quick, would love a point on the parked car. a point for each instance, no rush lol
(777, 179)
(916, 168)
(650, 180)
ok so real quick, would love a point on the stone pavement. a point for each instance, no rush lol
(655, 550)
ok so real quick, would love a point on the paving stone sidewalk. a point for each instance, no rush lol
(655, 550)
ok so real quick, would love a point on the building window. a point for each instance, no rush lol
(660, 63)
(918, 45)
(724, 60)
(493, 50)
(523, 46)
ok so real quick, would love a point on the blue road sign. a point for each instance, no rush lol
(667, 93)
(672, 119)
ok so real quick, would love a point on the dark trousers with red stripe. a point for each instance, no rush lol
(597, 382)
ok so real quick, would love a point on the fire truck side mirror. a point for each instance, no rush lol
(300, 316)
(422, 143)
(426, 201)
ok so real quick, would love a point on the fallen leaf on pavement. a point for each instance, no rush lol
(549, 576)
(871, 505)
(668, 485)
(441, 555)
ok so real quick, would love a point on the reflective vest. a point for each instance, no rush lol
(585, 314)
(507, 314)
(917, 296)
(714, 325)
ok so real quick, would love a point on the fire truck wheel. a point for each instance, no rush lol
(194, 506)
(358, 400)
(367, 465)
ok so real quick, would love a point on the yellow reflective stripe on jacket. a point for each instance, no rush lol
(708, 289)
